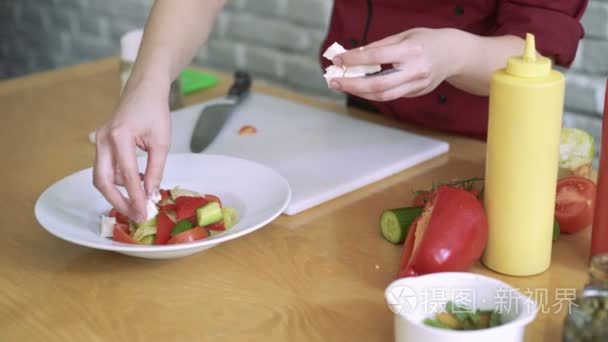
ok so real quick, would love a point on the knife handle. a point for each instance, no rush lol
(240, 86)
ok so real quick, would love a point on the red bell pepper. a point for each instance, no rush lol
(449, 236)
(120, 218)
(164, 225)
(186, 206)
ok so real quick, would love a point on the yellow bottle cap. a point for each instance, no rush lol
(530, 64)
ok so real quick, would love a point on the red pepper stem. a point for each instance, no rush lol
(599, 236)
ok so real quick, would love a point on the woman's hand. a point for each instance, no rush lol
(423, 58)
(141, 119)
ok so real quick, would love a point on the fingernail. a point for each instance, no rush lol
(337, 61)
(335, 85)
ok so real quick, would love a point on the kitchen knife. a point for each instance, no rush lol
(212, 118)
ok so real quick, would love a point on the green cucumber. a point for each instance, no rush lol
(395, 223)
(148, 240)
(215, 232)
(181, 227)
(142, 232)
(208, 214)
(150, 223)
(177, 192)
(230, 217)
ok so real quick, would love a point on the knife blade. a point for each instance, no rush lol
(213, 117)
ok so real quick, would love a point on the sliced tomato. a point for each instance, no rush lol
(218, 226)
(121, 234)
(194, 234)
(213, 198)
(168, 207)
(421, 198)
(186, 206)
(120, 218)
(574, 203)
(164, 225)
(164, 194)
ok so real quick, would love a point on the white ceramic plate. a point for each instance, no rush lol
(71, 208)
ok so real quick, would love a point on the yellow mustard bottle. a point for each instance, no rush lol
(525, 120)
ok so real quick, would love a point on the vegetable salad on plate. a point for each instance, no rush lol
(176, 216)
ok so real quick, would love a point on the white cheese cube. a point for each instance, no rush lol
(333, 50)
(361, 70)
(151, 210)
(107, 226)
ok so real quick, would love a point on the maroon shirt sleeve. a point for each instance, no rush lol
(555, 25)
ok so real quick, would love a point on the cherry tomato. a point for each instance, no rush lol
(574, 203)
(194, 234)
(449, 236)
(121, 234)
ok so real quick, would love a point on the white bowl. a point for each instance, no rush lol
(414, 299)
(71, 208)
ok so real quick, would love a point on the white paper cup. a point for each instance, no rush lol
(414, 299)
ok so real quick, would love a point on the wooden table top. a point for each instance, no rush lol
(319, 275)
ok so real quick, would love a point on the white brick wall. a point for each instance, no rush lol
(267, 37)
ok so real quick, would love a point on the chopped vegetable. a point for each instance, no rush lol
(210, 213)
(213, 198)
(177, 192)
(190, 235)
(148, 240)
(230, 217)
(186, 206)
(457, 317)
(394, 223)
(121, 234)
(450, 235)
(163, 229)
(120, 218)
(188, 210)
(247, 130)
(142, 232)
(181, 227)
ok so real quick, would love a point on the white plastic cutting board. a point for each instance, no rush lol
(321, 154)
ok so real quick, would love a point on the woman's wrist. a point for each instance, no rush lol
(463, 50)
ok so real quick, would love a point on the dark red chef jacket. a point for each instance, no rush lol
(555, 23)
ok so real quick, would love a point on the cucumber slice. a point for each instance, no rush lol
(143, 232)
(176, 192)
(150, 223)
(215, 232)
(230, 217)
(394, 223)
(208, 214)
(148, 240)
(181, 227)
